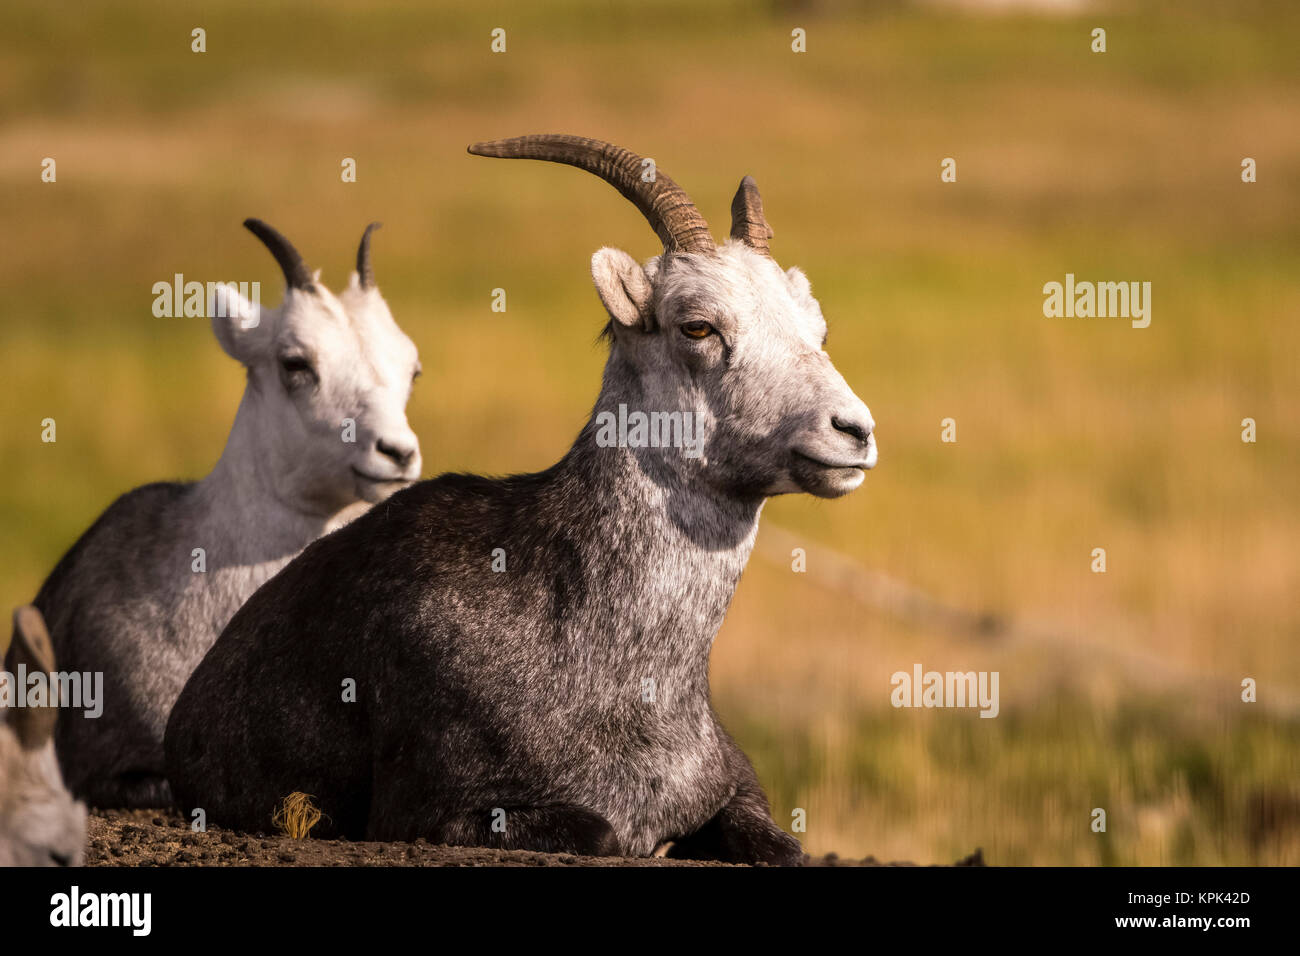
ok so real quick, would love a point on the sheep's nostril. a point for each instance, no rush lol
(60, 859)
(850, 428)
(402, 456)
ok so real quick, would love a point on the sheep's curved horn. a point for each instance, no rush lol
(296, 273)
(747, 221)
(31, 647)
(665, 205)
(364, 269)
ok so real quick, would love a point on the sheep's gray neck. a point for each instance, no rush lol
(667, 547)
(241, 518)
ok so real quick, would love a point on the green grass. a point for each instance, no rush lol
(1024, 787)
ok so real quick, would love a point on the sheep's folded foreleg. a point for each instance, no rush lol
(743, 831)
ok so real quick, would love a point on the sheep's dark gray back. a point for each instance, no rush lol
(521, 687)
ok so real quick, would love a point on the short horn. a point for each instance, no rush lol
(664, 204)
(32, 649)
(747, 221)
(364, 269)
(296, 273)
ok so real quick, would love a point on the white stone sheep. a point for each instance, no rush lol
(320, 435)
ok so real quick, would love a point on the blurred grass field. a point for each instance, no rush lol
(1072, 433)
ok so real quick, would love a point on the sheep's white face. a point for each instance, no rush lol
(739, 341)
(40, 823)
(316, 363)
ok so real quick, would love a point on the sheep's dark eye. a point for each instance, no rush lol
(696, 330)
(296, 371)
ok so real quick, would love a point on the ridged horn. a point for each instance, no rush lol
(364, 269)
(747, 221)
(296, 273)
(664, 204)
(31, 648)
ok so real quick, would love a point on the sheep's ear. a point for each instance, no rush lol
(31, 648)
(239, 324)
(624, 288)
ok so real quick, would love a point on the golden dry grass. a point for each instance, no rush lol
(296, 816)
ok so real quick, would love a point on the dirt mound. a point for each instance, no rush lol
(162, 838)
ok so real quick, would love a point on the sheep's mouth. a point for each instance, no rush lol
(372, 479)
(374, 489)
(826, 479)
(863, 465)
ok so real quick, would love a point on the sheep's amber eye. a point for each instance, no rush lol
(696, 330)
(296, 371)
